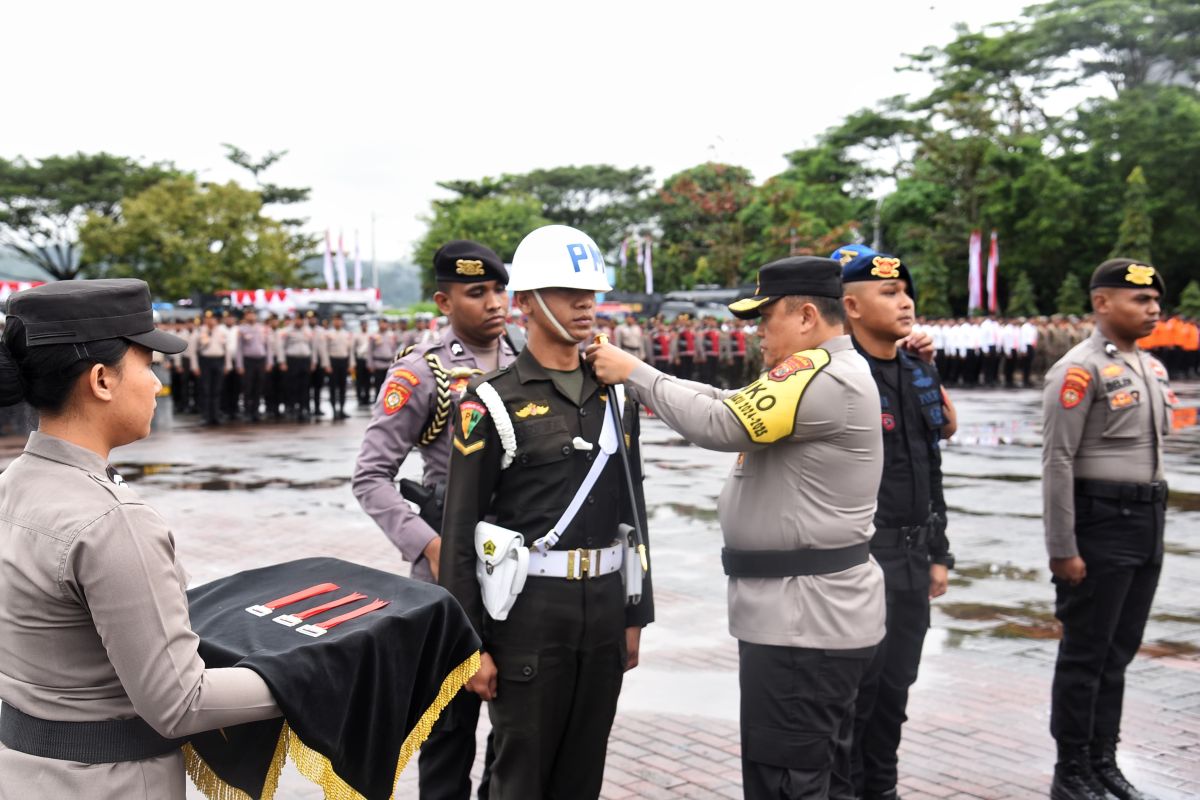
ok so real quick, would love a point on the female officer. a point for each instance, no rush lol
(99, 672)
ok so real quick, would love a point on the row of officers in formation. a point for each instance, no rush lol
(277, 368)
(280, 367)
(531, 513)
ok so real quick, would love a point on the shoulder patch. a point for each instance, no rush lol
(767, 407)
(407, 375)
(395, 395)
(470, 412)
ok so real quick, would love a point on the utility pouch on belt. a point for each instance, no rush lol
(502, 565)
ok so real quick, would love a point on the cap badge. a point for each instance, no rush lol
(468, 266)
(844, 257)
(1140, 275)
(885, 267)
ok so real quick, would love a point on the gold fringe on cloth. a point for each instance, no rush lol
(316, 767)
(214, 788)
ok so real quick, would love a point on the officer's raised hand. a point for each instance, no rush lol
(612, 364)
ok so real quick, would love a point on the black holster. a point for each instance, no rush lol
(431, 500)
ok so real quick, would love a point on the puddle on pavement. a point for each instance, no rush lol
(1183, 501)
(692, 512)
(1006, 478)
(1010, 572)
(1170, 649)
(971, 512)
(1183, 618)
(672, 465)
(219, 479)
(1176, 549)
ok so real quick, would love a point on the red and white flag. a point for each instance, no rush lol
(974, 274)
(357, 263)
(993, 268)
(341, 263)
(328, 262)
(648, 268)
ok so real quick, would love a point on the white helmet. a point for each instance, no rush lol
(555, 256)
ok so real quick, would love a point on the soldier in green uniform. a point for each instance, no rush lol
(1107, 406)
(530, 462)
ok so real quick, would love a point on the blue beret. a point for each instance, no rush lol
(861, 263)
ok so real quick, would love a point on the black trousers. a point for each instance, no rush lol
(296, 385)
(561, 660)
(212, 376)
(685, 368)
(879, 712)
(231, 390)
(253, 383)
(378, 378)
(708, 371)
(362, 382)
(274, 391)
(797, 712)
(316, 381)
(1027, 367)
(448, 754)
(339, 369)
(179, 390)
(1103, 618)
(1010, 369)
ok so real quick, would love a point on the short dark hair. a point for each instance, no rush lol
(44, 376)
(830, 308)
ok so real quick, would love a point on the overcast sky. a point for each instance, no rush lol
(377, 101)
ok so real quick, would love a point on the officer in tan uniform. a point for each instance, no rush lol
(99, 670)
(416, 408)
(1107, 406)
(806, 600)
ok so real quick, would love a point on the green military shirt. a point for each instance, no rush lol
(556, 441)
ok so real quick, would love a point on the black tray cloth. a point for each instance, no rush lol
(357, 702)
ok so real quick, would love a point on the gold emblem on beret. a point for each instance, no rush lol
(885, 268)
(468, 266)
(846, 256)
(1140, 275)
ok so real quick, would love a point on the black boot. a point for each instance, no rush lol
(1104, 767)
(1073, 778)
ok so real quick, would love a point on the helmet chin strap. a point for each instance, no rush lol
(553, 319)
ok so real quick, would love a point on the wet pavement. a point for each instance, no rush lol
(240, 497)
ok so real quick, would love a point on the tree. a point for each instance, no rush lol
(703, 239)
(43, 203)
(500, 222)
(1022, 301)
(1070, 299)
(1189, 301)
(1136, 231)
(185, 238)
(274, 194)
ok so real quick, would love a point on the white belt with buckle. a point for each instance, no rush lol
(576, 564)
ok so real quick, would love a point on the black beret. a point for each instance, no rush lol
(1126, 273)
(799, 275)
(464, 261)
(76, 312)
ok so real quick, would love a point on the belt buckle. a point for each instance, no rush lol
(577, 564)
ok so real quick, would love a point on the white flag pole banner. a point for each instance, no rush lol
(357, 263)
(648, 268)
(993, 302)
(974, 278)
(623, 256)
(328, 262)
(341, 264)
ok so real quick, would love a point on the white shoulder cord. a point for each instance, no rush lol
(503, 423)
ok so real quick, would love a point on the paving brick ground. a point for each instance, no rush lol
(240, 497)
